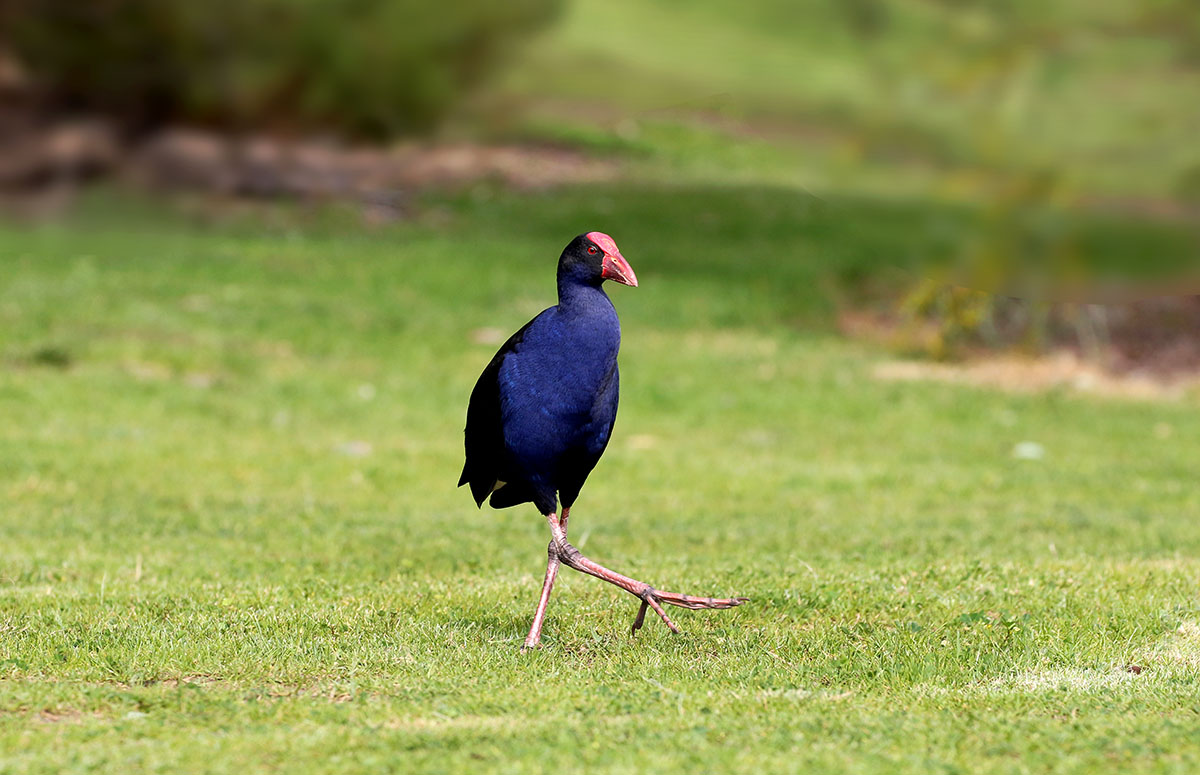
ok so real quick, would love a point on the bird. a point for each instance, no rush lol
(542, 412)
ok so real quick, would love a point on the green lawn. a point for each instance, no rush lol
(880, 95)
(231, 540)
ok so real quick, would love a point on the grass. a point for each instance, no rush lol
(880, 95)
(232, 540)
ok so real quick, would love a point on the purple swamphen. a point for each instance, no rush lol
(542, 413)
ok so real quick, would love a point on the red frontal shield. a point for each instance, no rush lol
(615, 267)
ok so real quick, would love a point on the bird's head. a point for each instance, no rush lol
(593, 258)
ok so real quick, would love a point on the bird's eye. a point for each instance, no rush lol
(591, 251)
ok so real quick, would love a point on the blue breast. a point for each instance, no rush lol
(559, 390)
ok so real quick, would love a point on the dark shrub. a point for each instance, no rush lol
(370, 67)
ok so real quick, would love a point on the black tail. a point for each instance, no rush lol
(481, 484)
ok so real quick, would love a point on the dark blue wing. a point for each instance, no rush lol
(484, 434)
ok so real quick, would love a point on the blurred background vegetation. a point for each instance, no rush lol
(1099, 94)
(1035, 118)
(373, 68)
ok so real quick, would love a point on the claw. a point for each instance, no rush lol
(640, 620)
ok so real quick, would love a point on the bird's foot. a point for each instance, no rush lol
(568, 555)
(653, 598)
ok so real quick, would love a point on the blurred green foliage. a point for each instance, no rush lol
(367, 67)
(895, 95)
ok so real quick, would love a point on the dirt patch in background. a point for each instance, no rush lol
(36, 157)
(1159, 337)
(44, 154)
(271, 168)
(1061, 370)
(1149, 349)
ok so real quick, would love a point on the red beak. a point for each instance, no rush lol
(617, 269)
(614, 267)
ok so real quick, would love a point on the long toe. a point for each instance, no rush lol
(696, 603)
(652, 598)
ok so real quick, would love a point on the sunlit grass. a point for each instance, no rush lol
(231, 537)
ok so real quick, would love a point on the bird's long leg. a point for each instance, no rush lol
(552, 563)
(571, 557)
